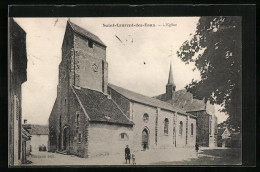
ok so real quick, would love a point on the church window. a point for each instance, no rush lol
(77, 118)
(191, 129)
(145, 117)
(166, 126)
(90, 44)
(123, 136)
(181, 128)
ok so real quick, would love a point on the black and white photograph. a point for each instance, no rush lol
(125, 91)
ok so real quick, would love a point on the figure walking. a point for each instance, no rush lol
(197, 147)
(127, 154)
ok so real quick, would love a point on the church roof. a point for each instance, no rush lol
(145, 99)
(184, 100)
(100, 108)
(85, 33)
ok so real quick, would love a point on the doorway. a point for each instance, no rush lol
(145, 139)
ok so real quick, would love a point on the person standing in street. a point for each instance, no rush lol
(197, 147)
(127, 154)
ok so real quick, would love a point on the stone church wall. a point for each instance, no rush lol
(105, 139)
(90, 64)
(76, 146)
(192, 138)
(138, 110)
(181, 138)
(165, 140)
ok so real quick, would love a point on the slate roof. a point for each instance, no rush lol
(85, 33)
(184, 100)
(145, 99)
(37, 129)
(100, 108)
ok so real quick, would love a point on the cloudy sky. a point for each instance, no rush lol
(139, 62)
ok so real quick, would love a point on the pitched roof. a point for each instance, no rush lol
(221, 131)
(184, 100)
(85, 33)
(100, 108)
(145, 100)
(37, 129)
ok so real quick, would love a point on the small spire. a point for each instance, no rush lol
(170, 79)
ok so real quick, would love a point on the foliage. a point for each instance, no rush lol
(216, 50)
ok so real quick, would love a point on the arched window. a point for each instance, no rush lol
(191, 129)
(123, 136)
(145, 117)
(166, 126)
(181, 127)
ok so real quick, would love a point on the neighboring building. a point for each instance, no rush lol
(17, 76)
(224, 137)
(26, 144)
(39, 136)
(91, 117)
(204, 112)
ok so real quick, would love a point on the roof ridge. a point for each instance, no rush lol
(89, 34)
(181, 111)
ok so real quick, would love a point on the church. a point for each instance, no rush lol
(92, 117)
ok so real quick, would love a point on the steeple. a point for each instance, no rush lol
(170, 79)
(170, 87)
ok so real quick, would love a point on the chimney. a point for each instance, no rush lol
(25, 121)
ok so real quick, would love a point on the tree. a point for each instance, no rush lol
(216, 50)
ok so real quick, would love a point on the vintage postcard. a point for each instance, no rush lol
(125, 91)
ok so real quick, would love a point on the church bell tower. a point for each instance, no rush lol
(170, 87)
(84, 55)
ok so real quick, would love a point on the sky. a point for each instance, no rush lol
(139, 61)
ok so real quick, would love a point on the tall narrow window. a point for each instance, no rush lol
(77, 119)
(181, 128)
(191, 129)
(166, 126)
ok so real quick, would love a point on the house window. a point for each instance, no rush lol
(123, 136)
(191, 129)
(79, 137)
(90, 44)
(181, 128)
(166, 126)
(145, 117)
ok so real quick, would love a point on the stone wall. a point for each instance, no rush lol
(181, 138)
(74, 145)
(92, 64)
(105, 139)
(17, 76)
